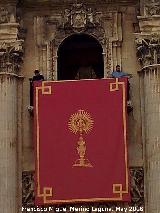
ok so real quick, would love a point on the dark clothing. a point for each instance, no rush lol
(128, 90)
(38, 78)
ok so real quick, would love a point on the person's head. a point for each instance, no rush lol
(118, 68)
(36, 72)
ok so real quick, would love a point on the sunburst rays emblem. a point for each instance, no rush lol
(82, 123)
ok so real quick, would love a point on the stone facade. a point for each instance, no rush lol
(30, 35)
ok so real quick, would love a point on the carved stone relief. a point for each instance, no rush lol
(11, 57)
(148, 50)
(137, 187)
(137, 191)
(28, 188)
(4, 15)
(152, 7)
(77, 19)
(52, 30)
(108, 62)
(80, 17)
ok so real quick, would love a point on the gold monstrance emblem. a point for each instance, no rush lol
(81, 122)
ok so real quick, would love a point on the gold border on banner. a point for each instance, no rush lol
(47, 192)
(116, 84)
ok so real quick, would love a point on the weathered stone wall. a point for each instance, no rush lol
(130, 65)
(43, 25)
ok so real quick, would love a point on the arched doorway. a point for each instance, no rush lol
(80, 52)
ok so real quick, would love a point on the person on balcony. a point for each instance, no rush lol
(119, 74)
(37, 77)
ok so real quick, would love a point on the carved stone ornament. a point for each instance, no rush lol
(137, 186)
(28, 188)
(4, 15)
(148, 50)
(152, 7)
(79, 17)
(11, 57)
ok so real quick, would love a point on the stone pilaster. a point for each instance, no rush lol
(148, 53)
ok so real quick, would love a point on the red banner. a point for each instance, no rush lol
(81, 147)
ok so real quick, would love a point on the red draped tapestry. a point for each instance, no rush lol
(80, 141)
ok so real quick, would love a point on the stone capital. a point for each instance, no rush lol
(11, 56)
(148, 49)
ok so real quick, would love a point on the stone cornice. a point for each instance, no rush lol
(149, 18)
(149, 24)
(6, 2)
(62, 3)
(73, 1)
(8, 32)
(2, 74)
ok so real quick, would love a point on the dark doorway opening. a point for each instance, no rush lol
(80, 52)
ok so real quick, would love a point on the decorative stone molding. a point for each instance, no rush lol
(148, 49)
(79, 17)
(152, 7)
(11, 56)
(50, 31)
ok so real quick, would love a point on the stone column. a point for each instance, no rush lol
(148, 47)
(10, 133)
(11, 52)
(150, 79)
(8, 143)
